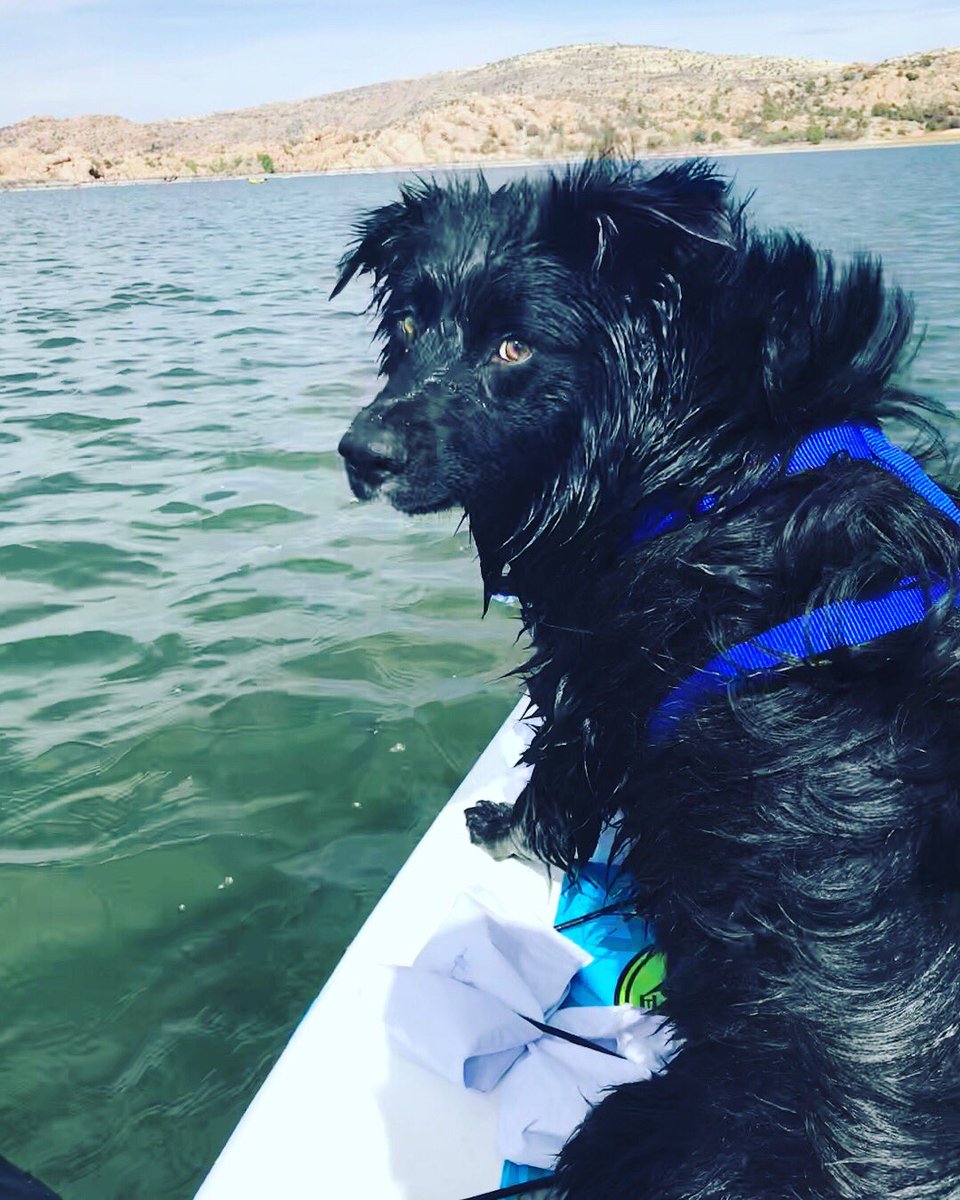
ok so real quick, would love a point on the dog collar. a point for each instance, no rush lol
(822, 630)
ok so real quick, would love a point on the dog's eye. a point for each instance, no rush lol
(408, 327)
(512, 351)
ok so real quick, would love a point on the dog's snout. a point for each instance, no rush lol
(372, 451)
(380, 452)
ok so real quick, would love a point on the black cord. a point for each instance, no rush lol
(571, 1037)
(617, 906)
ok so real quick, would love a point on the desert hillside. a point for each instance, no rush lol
(551, 104)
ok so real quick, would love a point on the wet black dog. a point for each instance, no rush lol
(563, 357)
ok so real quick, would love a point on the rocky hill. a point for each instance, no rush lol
(552, 104)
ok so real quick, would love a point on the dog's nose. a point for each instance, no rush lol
(372, 451)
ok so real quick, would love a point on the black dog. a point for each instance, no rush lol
(617, 380)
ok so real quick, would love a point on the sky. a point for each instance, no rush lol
(147, 59)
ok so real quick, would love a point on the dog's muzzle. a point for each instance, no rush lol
(372, 451)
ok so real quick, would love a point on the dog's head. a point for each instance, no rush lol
(520, 334)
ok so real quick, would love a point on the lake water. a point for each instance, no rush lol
(231, 699)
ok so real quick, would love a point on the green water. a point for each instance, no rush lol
(231, 698)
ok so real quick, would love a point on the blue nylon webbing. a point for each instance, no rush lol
(843, 623)
(869, 444)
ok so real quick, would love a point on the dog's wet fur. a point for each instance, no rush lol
(555, 351)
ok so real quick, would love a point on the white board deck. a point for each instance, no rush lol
(341, 1115)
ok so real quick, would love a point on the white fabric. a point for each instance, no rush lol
(461, 1033)
(553, 1086)
(459, 1011)
(528, 967)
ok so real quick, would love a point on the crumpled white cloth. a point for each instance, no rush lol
(460, 1009)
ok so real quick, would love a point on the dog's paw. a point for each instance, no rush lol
(488, 822)
(490, 827)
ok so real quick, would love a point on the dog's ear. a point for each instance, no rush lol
(614, 217)
(372, 249)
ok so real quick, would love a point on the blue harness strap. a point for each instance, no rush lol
(822, 630)
(865, 442)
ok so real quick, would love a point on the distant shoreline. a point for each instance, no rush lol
(939, 138)
(556, 105)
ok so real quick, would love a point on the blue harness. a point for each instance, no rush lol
(623, 945)
(822, 630)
